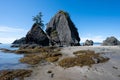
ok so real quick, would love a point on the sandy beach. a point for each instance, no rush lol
(104, 71)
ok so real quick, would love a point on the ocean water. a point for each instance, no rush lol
(10, 60)
(95, 44)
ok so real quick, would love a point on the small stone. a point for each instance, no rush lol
(52, 75)
(49, 71)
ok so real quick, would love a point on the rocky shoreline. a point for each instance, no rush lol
(56, 54)
(17, 74)
(52, 71)
(48, 62)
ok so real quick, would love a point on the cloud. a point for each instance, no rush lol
(94, 38)
(7, 40)
(11, 29)
(9, 34)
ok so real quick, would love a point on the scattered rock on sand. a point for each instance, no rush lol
(49, 71)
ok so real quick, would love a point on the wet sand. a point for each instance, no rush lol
(103, 71)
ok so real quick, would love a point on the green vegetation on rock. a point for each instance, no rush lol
(38, 19)
(54, 33)
(65, 13)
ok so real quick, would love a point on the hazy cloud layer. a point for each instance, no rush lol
(94, 38)
(9, 34)
(10, 29)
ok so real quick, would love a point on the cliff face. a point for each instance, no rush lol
(37, 36)
(62, 31)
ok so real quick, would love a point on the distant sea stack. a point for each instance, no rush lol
(62, 31)
(111, 41)
(88, 43)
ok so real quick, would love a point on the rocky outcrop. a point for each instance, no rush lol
(88, 43)
(18, 74)
(20, 41)
(62, 31)
(37, 36)
(111, 41)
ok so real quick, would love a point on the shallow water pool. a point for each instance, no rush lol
(10, 60)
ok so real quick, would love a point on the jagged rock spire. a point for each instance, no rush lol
(62, 30)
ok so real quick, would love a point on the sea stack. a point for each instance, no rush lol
(88, 43)
(111, 41)
(62, 31)
(37, 36)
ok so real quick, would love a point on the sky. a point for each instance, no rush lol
(94, 19)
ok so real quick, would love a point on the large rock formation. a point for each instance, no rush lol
(88, 43)
(37, 36)
(111, 41)
(62, 31)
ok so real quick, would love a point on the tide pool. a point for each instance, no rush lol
(10, 60)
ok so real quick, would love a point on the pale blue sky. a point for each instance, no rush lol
(95, 19)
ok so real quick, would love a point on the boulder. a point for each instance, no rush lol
(111, 41)
(88, 43)
(62, 31)
(37, 36)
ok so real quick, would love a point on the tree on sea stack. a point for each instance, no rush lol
(38, 20)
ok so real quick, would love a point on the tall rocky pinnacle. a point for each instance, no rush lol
(37, 36)
(62, 31)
